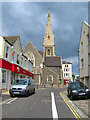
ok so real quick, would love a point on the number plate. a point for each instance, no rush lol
(81, 93)
(16, 92)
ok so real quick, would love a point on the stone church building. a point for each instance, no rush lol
(47, 67)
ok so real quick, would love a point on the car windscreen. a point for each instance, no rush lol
(20, 82)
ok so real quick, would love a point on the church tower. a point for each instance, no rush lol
(48, 45)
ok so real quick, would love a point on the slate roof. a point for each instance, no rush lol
(53, 61)
(11, 39)
(65, 62)
(41, 53)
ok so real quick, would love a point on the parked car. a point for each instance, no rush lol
(77, 89)
(22, 87)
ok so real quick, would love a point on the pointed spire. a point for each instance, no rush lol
(48, 12)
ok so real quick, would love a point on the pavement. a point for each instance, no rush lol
(82, 104)
(39, 105)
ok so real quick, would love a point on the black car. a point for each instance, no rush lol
(77, 89)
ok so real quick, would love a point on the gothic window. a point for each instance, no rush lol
(31, 58)
(48, 52)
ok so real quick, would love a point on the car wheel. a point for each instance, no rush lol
(72, 97)
(27, 93)
(34, 91)
(68, 94)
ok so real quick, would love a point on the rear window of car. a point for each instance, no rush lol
(78, 85)
(75, 85)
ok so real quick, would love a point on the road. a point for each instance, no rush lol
(39, 105)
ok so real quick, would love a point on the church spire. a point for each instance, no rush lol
(48, 45)
(48, 12)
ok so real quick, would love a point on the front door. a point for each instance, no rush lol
(4, 79)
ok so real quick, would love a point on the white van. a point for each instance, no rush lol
(22, 87)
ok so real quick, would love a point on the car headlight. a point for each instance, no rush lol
(24, 88)
(74, 91)
(87, 90)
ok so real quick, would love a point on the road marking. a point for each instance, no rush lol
(5, 101)
(54, 110)
(70, 107)
(11, 100)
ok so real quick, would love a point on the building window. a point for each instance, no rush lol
(50, 78)
(13, 56)
(81, 46)
(35, 71)
(65, 65)
(82, 63)
(3, 76)
(25, 63)
(66, 69)
(17, 58)
(22, 62)
(48, 52)
(66, 74)
(7, 52)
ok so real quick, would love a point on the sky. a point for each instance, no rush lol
(28, 20)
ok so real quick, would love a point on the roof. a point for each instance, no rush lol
(52, 61)
(41, 53)
(11, 39)
(65, 62)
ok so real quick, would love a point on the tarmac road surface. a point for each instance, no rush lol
(45, 103)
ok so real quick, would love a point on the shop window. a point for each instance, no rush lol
(3, 76)
(7, 52)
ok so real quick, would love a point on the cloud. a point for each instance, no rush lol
(28, 19)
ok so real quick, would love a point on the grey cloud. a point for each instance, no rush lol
(29, 21)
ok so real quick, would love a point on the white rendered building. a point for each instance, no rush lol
(67, 70)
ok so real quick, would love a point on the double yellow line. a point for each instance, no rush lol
(6, 101)
(70, 107)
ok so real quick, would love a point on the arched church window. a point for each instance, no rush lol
(48, 52)
(31, 58)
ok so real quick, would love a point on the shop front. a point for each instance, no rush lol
(9, 72)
